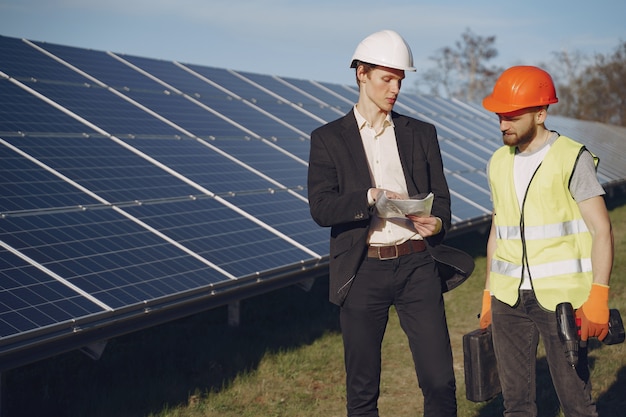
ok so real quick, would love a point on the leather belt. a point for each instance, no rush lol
(394, 251)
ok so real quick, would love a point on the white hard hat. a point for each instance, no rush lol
(385, 48)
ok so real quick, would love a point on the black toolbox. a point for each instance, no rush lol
(481, 375)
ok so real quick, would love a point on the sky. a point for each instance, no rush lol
(315, 39)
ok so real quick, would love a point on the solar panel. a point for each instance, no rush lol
(285, 92)
(33, 299)
(199, 88)
(135, 190)
(339, 104)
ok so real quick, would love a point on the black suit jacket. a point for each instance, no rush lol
(338, 180)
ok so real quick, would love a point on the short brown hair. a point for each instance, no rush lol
(367, 68)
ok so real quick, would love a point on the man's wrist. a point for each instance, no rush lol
(371, 198)
(439, 225)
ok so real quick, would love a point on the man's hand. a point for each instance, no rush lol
(426, 226)
(392, 195)
(594, 313)
(485, 312)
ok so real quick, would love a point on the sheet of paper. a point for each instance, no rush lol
(388, 208)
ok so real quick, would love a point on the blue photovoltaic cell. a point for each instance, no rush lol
(105, 168)
(106, 110)
(206, 167)
(131, 83)
(107, 255)
(106, 69)
(26, 186)
(146, 91)
(293, 96)
(28, 64)
(259, 97)
(341, 106)
(210, 229)
(348, 92)
(31, 299)
(474, 203)
(287, 171)
(23, 114)
(185, 113)
(77, 93)
(453, 161)
(227, 104)
(288, 215)
(289, 150)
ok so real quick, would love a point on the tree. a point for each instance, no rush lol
(461, 71)
(600, 89)
(567, 66)
(591, 89)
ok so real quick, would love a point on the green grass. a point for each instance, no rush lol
(285, 359)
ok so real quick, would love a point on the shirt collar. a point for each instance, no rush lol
(361, 122)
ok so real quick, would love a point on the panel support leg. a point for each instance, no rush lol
(234, 313)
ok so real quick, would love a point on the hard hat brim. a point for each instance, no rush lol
(499, 107)
(355, 63)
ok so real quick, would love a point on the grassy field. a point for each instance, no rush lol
(285, 359)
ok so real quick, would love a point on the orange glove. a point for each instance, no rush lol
(594, 313)
(485, 312)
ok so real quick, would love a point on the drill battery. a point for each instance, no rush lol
(616, 328)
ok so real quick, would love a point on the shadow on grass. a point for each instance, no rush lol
(613, 401)
(147, 371)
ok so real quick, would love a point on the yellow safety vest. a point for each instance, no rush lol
(548, 238)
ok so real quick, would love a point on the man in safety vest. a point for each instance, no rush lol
(550, 242)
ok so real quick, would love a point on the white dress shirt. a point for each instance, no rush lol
(386, 173)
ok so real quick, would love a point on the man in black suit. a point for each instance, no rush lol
(376, 262)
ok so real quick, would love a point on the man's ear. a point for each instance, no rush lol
(361, 74)
(541, 115)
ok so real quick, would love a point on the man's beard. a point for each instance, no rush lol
(523, 139)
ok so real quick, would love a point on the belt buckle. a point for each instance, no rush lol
(388, 257)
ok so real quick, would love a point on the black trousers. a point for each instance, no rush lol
(410, 283)
(516, 334)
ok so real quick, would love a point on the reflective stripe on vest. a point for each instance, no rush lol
(542, 232)
(547, 270)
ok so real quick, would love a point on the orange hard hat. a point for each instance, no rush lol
(521, 87)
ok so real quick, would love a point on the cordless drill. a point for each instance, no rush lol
(569, 330)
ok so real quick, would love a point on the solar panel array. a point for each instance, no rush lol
(132, 185)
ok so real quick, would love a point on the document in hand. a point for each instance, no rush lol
(388, 207)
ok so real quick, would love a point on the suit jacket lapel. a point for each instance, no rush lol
(354, 146)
